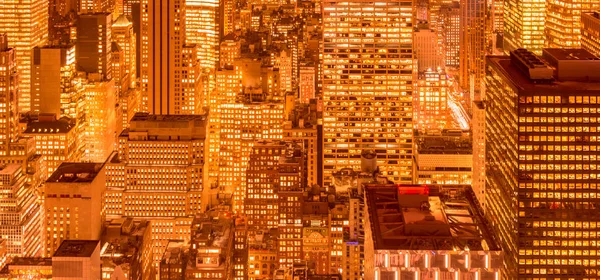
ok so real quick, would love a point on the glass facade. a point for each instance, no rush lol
(542, 171)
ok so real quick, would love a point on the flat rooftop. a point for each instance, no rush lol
(571, 54)
(76, 248)
(443, 145)
(31, 262)
(9, 169)
(49, 127)
(167, 118)
(441, 218)
(75, 172)
(519, 80)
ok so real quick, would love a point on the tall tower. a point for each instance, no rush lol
(26, 24)
(524, 25)
(202, 29)
(94, 40)
(122, 33)
(541, 162)
(367, 85)
(590, 32)
(9, 92)
(163, 55)
(563, 21)
(472, 46)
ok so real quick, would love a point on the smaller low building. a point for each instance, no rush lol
(445, 158)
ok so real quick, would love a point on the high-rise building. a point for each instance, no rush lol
(242, 124)
(449, 34)
(73, 203)
(94, 6)
(590, 32)
(122, 33)
(541, 161)
(77, 260)
(435, 7)
(431, 101)
(159, 167)
(472, 47)
(524, 22)
(478, 130)
(261, 201)
(307, 82)
(26, 24)
(229, 50)
(94, 39)
(563, 22)
(56, 140)
(9, 89)
(101, 119)
(290, 192)
(21, 214)
(169, 73)
(202, 29)
(54, 84)
(367, 86)
(427, 50)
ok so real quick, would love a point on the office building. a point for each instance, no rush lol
(101, 119)
(94, 6)
(472, 47)
(524, 22)
(367, 97)
(307, 82)
(73, 203)
(77, 260)
(55, 139)
(431, 101)
(242, 124)
(21, 216)
(590, 32)
(202, 29)
(94, 39)
(159, 167)
(169, 69)
(541, 161)
(261, 200)
(229, 50)
(412, 233)
(444, 159)
(564, 22)
(23, 268)
(478, 131)
(426, 48)
(26, 24)
(55, 88)
(449, 33)
(9, 88)
(122, 33)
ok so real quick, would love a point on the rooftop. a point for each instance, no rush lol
(138, 117)
(31, 261)
(62, 125)
(576, 80)
(75, 172)
(419, 217)
(443, 145)
(76, 248)
(9, 169)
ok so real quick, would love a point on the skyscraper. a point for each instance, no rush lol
(202, 29)
(26, 23)
(541, 162)
(54, 81)
(164, 68)
(563, 22)
(449, 32)
(94, 40)
(524, 25)
(9, 90)
(122, 33)
(472, 46)
(590, 32)
(367, 85)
